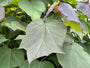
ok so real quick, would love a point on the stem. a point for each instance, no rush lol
(43, 59)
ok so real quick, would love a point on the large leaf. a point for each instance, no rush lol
(10, 58)
(14, 23)
(43, 38)
(2, 12)
(2, 38)
(75, 56)
(85, 8)
(37, 64)
(32, 8)
(5, 2)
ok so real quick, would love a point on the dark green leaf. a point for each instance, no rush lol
(37, 64)
(74, 57)
(10, 58)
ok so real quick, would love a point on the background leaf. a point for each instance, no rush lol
(15, 23)
(37, 64)
(75, 56)
(32, 8)
(5, 2)
(10, 58)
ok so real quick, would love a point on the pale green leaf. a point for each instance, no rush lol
(74, 57)
(32, 8)
(43, 38)
(10, 58)
(14, 23)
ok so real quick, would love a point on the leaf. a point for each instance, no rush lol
(5, 2)
(43, 38)
(87, 48)
(72, 1)
(49, 10)
(2, 12)
(32, 8)
(77, 29)
(73, 24)
(75, 56)
(2, 38)
(85, 26)
(80, 34)
(10, 58)
(85, 8)
(37, 64)
(14, 23)
(46, 2)
(68, 11)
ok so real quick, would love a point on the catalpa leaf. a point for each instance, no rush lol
(11, 58)
(49, 10)
(37, 64)
(14, 23)
(32, 8)
(70, 14)
(85, 8)
(2, 12)
(43, 38)
(74, 57)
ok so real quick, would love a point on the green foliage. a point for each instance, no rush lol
(39, 34)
